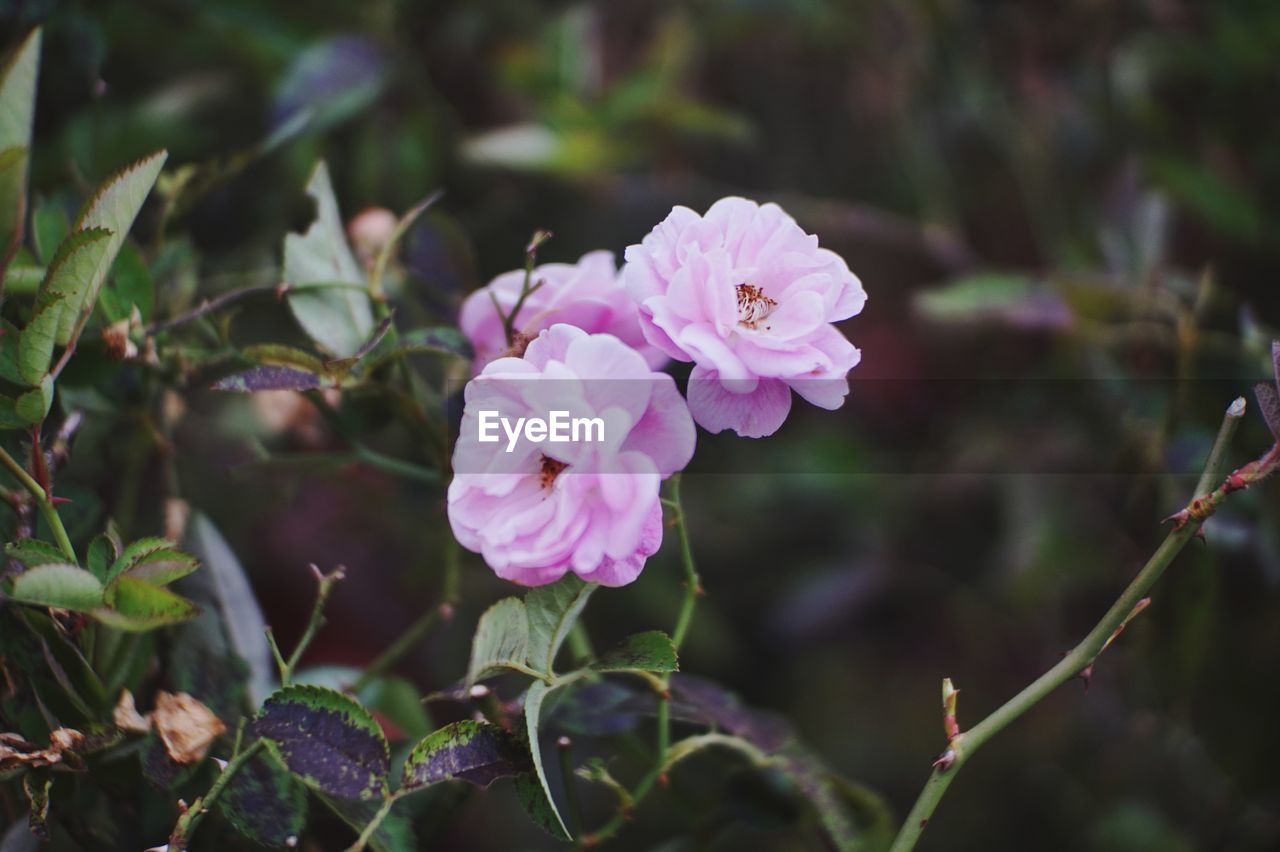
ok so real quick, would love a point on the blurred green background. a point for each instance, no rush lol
(1067, 216)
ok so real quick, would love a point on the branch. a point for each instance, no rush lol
(964, 744)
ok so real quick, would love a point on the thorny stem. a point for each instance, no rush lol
(963, 745)
(190, 820)
(44, 501)
(692, 590)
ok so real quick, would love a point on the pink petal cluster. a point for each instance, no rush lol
(749, 297)
(587, 294)
(590, 507)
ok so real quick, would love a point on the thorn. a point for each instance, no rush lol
(59, 501)
(1200, 536)
(564, 742)
(1179, 519)
(1086, 675)
(664, 781)
(221, 764)
(945, 760)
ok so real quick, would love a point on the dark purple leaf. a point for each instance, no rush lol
(270, 378)
(475, 752)
(327, 739)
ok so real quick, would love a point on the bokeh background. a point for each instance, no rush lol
(1067, 217)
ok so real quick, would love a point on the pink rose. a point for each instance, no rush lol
(587, 294)
(535, 508)
(749, 297)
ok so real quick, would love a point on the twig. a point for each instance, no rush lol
(963, 745)
(325, 582)
(527, 289)
(191, 818)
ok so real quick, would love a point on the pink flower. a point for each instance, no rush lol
(587, 294)
(535, 508)
(749, 297)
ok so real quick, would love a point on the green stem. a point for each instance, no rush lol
(365, 836)
(964, 745)
(692, 589)
(326, 584)
(189, 821)
(47, 509)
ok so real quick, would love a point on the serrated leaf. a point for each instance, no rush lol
(652, 651)
(63, 586)
(1269, 406)
(270, 378)
(163, 566)
(501, 640)
(100, 556)
(533, 701)
(340, 319)
(135, 605)
(32, 552)
(327, 739)
(70, 275)
(114, 207)
(264, 802)
(552, 611)
(475, 752)
(229, 591)
(35, 347)
(33, 406)
(134, 551)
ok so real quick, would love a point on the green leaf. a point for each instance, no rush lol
(338, 318)
(552, 611)
(264, 802)
(70, 275)
(283, 356)
(327, 739)
(134, 551)
(9, 418)
(642, 652)
(9, 337)
(102, 552)
(17, 112)
(475, 752)
(996, 297)
(533, 798)
(163, 566)
(135, 605)
(132, 284)
(62, 586)
(114, 207)
(227, 589)
(32, 552)
(35, 348)
(533, 701)
(13, 196)
(18, 93)
(49, 226)
(33, 406)
(501, 640)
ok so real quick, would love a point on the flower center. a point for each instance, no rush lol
(753, 305)
(550, 470)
